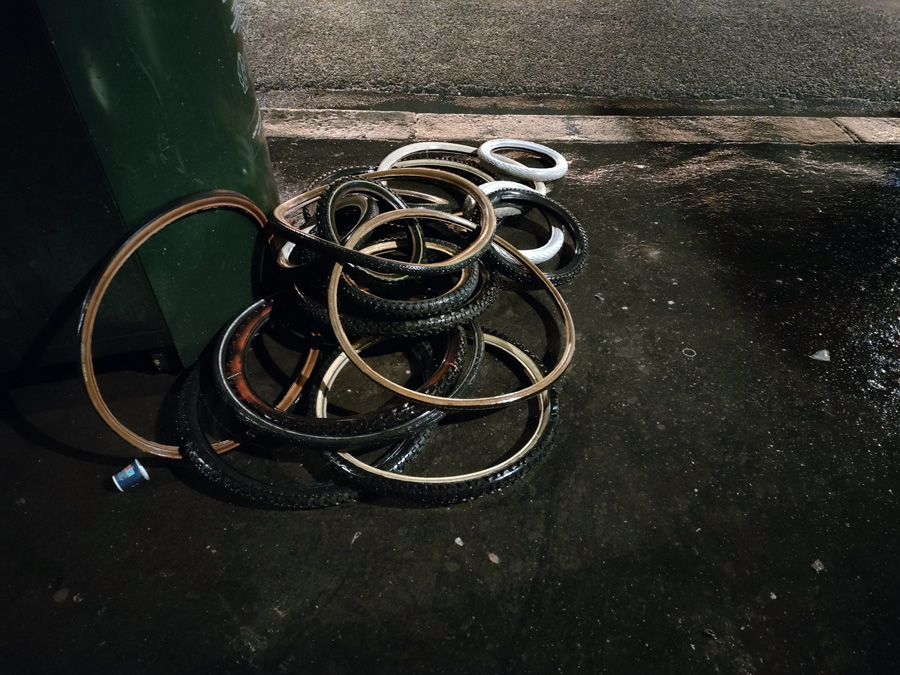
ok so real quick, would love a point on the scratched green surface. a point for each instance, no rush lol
(167, 99)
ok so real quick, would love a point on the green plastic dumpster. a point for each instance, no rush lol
(162, 95)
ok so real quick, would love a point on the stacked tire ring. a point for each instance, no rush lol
(404, 255)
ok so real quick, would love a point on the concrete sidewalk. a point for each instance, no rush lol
(396, 125)
(717, 501)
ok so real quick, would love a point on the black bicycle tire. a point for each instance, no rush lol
(570, 224)
(214, 467)
(362, 261)
(327, 204)
(330, 176)
(374, 305)
(400, 283)
(279, 226)
(390, 415)
(469, 368)
(305, 256)
(337, 174)
(477, 304)
(396, 422)
(447, 494)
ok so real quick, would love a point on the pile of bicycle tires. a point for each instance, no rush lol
(399, 259)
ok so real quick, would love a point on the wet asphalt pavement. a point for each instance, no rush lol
(705, 462)
(800, 55)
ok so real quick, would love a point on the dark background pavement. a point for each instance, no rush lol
(702, 55)
(704, 462)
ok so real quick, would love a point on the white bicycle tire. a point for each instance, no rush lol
(487, 152)
(430, 146)
(536, 255)
(426, 146)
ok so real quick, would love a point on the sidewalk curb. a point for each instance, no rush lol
(375, 125)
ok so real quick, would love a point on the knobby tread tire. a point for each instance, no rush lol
(570, 224)
(372, 305)
(477, 304)
(332, 176)
(392, 414)
(339, 174)
(215, 468)
(446, 494)
(388, 425)
(328, 203)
